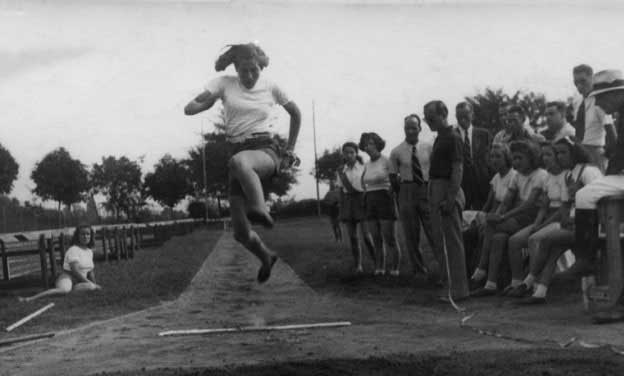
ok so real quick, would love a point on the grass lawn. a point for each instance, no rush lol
(154, 275)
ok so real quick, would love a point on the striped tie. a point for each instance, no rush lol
(417, 175)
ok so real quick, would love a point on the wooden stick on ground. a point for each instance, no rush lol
(29, 317)
(253, 328)
(31, 337)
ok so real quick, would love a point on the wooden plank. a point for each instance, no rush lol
(5, 261)
(254, 328)
(42, 260)
(31, 337)
(29, 317)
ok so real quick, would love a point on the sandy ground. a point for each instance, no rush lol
(224, 293)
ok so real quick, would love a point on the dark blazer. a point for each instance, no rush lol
(477, 176)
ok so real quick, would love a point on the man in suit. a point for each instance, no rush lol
(476, 141)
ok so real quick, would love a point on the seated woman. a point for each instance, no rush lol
(518, 210)
(77, 274)
(551, 211)
(549, 242)
(500, 161)
(379, 202)
(352, 202)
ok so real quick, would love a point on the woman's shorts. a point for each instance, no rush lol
(352, 207)
(266, 144)
(380, 205)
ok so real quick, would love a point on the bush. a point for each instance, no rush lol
(289, 209)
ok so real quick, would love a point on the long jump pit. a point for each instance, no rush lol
(317, 334)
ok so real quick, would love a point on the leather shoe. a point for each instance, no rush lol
(519, 291)
(576, 271)
(531, 300)
(482, 292)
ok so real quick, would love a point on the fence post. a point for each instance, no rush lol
(117, 245)
(5, 261)
(63, 246)
(123, 235)
(42, 259)
(133, 241)
(51, 255)
(105, 248)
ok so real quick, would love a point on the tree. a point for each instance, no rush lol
(119, 179)
(61, 178)
(8, 170)
(486, 107)
(217, 154)
(328, 164)
(169, 183)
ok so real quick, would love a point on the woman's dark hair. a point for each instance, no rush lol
(546, 144)
(504, 149)
(351, 144)
(578, 154)
(76, 237)
(380, 143)
(530, 149)
(236, 53)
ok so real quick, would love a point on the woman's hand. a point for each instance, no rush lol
(289, 160)
(493, 218)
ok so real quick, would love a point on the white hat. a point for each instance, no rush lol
(607, 80)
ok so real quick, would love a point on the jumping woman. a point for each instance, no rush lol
(249, 102)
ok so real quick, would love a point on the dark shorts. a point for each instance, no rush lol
(352, 207)
(380, 206)
(268, 144)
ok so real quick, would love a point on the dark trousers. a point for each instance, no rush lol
(414, 213)
(447, 236)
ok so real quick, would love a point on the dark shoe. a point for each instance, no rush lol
(265, 270)
(481, 292)
(531, 300)
(474, 284)
(608, 317)
(263, 219)
(520, 291)
(506, 291)
(579, 269)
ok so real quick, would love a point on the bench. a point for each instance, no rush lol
(610, 278)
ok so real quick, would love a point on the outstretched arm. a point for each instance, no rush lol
(201, 103)
(295, 124)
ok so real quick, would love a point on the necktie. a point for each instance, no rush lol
(467, 150)
(417, 175)
(579, 124)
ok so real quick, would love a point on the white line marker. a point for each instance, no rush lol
(29, 317)
(253, 328)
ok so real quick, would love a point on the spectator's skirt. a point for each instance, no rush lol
(352, 207)
(380, 205)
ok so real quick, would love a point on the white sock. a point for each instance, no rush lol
(516, 282)
(478, 274)
(489, 285)
(540, 291)
(529, 280)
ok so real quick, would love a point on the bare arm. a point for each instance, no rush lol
(295, 123)
(201, 103)
(75, 273)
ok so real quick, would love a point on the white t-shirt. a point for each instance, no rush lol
(589, 173)
(376, 175)
(595, 121)
(84, 258)
(524, 184)
(555, 189)
(354, 175)
(247, 111)
(500, 185)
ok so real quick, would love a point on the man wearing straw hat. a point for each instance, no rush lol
(608, 94)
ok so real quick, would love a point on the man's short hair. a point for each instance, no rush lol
(465, 105)
(583, 68)
(560, 106)
(516, 109)
(438, 107)
(412, 116)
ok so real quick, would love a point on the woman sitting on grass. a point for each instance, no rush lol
(379, 202)
(352, 202)
(552, 210)
(78, 273)
(549, 243)
(518, 210)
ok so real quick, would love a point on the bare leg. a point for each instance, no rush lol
(388, 234)
(374, 229)
(62, 287)
(368, 242)
(355, 245)
(249, 238)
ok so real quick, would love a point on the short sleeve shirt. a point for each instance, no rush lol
(376, 175)
(401, 159)
(447, 149)
(500, 184)
(524, 184)
(354, 175)
(82, 256)
(247, 111)
(556, 190)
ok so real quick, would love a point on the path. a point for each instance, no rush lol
(224, 293)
